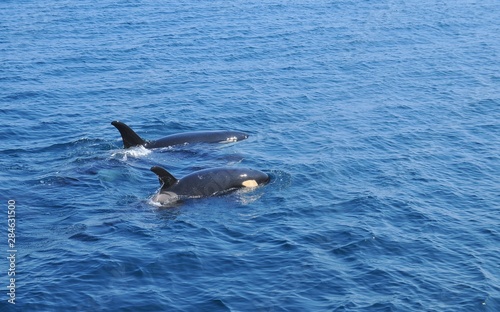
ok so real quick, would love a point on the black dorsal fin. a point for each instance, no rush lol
(166, 179)
(129, 137)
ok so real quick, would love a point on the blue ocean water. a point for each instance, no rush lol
(379, 122)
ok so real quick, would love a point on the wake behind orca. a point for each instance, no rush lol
(130, 138)
(205, 183)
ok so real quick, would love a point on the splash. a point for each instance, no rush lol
(134, 152)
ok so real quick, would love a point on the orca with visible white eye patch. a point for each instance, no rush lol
(205, 183)
(130, 138)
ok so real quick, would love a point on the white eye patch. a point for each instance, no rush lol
(230, 140)
(250, 183)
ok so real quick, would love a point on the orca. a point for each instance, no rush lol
(205, 183)
(130, 138)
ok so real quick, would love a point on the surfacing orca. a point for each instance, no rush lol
(130, 138)
(205, 183)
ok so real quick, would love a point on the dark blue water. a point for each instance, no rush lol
(379, 122)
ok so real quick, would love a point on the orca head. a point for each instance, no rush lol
(235, 136)
(253, 178)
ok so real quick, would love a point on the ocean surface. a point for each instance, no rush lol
(378, 121)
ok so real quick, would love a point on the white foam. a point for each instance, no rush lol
(134, 152)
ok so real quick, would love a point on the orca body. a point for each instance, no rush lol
(130, 138)
(205, 183)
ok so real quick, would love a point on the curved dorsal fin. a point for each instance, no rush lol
(129, 137)
(166, 179)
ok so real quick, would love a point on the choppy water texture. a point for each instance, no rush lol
(378, 121)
